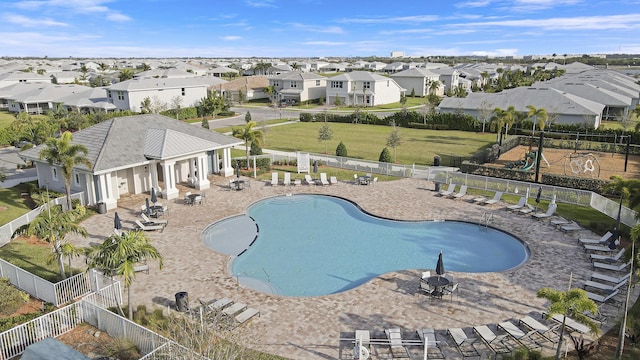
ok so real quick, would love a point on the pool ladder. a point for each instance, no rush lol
(487, 218)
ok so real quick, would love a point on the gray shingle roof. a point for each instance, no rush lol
(133, 140)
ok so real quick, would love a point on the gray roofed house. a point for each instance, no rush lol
(91, 99)
(419, 80)
(298, 87)
(133, 154)
(363, 88)
(40, 97)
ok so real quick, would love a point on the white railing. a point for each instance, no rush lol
(7, 230)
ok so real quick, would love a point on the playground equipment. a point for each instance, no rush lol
(528, 163)
(585, 164)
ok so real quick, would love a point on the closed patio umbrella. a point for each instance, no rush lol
(148, 209)
(117, 224)
(154, 197)
(539, 195)
(440, 265)
(238, 169)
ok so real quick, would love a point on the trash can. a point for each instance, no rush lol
(436, 160)
(182, 301)
(437, 187)
(102, 208)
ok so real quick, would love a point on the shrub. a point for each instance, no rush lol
(341, 150)
(255, 149)
(11, 299)
(385, 156)
(306, 117)
(205, 123)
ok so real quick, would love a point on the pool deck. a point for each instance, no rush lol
(311, 327)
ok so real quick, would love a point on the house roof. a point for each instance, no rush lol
(359, 76)
(159, 83)
(247, 82)
(415, 73)
(298, 75)
(133, 140)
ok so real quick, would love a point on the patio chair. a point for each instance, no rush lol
(362, 344)
(519, 205)
(426, 288)
(187, 198)
(450, 289)
(287, 179)
(463, 343)
(375, 180)
(323, 179)
(428, 338)
(611, 267)
(603, 240)
(496, 198)
(395, 343)
(524, 339)
(333, 180)
(355, 179)
(459, 194)
(542, 329)
(494, 342)
(611, 279)
(144, 227)
(274, 179)
(450, 189)
(155, 221)
(550, 211)
(309, 180)
(607, 258)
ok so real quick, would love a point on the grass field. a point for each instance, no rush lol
(367, 141)
(6, 118)
(12, 205)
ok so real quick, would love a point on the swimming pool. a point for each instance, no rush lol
(311, 245)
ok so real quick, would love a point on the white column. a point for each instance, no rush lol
(170, 191)
(107, 194)
(152, 171)
(203, 172)
(227, 168)
(216, 162)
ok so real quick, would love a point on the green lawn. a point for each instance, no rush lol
(14, 203)
(367, 141)
(6, 118)
(32, 258)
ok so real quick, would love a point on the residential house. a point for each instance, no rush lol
(448, 77)
(362, 88)
(251, 86)
(87, 101)
(14, 77)
(419, 81)
(133, 154)
(223, 72)
(297, 87)
(38, 98)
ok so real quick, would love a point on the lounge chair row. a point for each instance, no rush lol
(307, 180)
(240, 312)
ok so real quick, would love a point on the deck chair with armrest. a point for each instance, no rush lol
(154, 221)
(524, 339)
(323, 179)
(395, 342)
(550, 211)
(287, 179)
(450, 190)
(428, 338)
(608, 258)
(274, 179)
(463, 343)
(608, 278)
(495, 343)
(246, 314)
(496, 198)
(459, 194)
(612, 267)
(519, 205)
(543, 330)
(603, 240)
(144, 227)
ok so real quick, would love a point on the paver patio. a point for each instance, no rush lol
(310, 327)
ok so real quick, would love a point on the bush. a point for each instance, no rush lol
(385, 156)
(11, 299)
(341, 150)
(306, 117)
(255, 149)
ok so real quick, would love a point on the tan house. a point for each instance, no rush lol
(296, 87)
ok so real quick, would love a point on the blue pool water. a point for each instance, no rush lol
(310, 245)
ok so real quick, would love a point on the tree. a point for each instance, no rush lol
(271, 92)
(176, 102)
(255, 149)
(503, 119)
(103, 67)
(485, 111)
(241, 96)
(83, 70)
(341, 150)
(627, 189)
(61, 152)
(325, 134)
(385, 156)
(434, 85)
(337, 101)
(413, 92)
(145, 67)
(205, 123)
(572, 303)
(52, 226)
(157, 105)
(125, 74)
(248, 134)
(247, 117)
(120, 253)
(145, 105)
(539, 116)
(403, 99)
(394, 140)
(635, 234)
(628, 120)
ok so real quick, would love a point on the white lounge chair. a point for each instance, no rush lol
(494, 342)
(395, 343)
(155, 221)
(524, 339)
(607, 258)
(144, 227)
(521, 203)
(605, 287)
(461, 193)
(428, 338)
(611, 267)
(550, 211)
(603, 240)
(527, 209)
(309, 180)
(333, 180)
(463, 343)
(246, 314)
(234, 309)
(602, 248)
(573, 226)
(559, 221)
(274, 179)
(571, 323)
(287, 179)
(496, 198)
(450, 189)
(323, 179)
(601, 298)
(611, 279)
(542, 329)
(220, 304)
(362, 344)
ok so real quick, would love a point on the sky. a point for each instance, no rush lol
(316, 28)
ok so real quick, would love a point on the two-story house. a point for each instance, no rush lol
(362, 88)
(298, 87)
(419, 81)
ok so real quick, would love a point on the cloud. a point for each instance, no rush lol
(386, 20)
(538, 5)
(496, 52)
(318, 28)
(610, 22)
(325, 43)
(260, 3)
(118, 17)
(473, 4)
(231, 38)
(31, 22)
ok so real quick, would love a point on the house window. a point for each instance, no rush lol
(183, 92)
(276, 83)
(336, 84)
(109, 94)
(120, 95)
(387, 83)
(368, 100)
(54, 173)
(367, 85)
(76, 178)
(317, 82)
(294, 84)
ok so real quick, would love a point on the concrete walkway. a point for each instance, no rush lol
(311, 327)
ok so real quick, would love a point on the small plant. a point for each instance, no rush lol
(341, 150)
(385, 156)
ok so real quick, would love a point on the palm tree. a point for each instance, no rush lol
(434, 85)
(249, 135)
(119, 254)
(63, 153)
(125, 74)
(103, 67)
(572, 303)
(539, 115)
(271, 92)
(627, 189)
(52, 226)
(67, 250)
